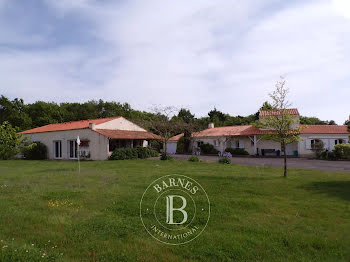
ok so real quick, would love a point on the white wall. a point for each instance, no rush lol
(98, 145)
(120, 124)
(327, 139)
(171, 147)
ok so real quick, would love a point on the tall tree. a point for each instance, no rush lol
(14, 112)
(284, 127)
(185, 115)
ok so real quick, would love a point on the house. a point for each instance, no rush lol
(249, 137)
(99, 137)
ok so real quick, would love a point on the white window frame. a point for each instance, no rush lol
(55, 143)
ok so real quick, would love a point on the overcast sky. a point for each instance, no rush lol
(195, 53)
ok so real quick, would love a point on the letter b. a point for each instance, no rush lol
(170, 209)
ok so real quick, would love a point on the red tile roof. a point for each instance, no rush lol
(292, 111)
(68, 125)
(324, 129)
(177, 137)
(227, 131)
(251, 130)
(126, 134)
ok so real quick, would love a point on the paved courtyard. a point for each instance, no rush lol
(278, 162)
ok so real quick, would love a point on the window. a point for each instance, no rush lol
(199, 143)
(72, 149)
(237, 144)
(57, 146)
(316, 144)
(338, 141)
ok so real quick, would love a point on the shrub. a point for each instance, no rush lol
(225, 160)
(327, 155)
(236, 151)
(133, 153)
(153, 153)
(342, 151)
(143, 152)
(37, 152)
(194, 159)
(156, 145)
(208, 149)
(124, 153)
(166, 157)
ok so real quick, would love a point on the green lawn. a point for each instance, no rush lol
(49, 212)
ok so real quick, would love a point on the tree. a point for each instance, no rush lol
(14, 112)
(11, 143)
(311, 121)
(266, 106)
(165, 125)
(284, 127)
(185, 115)
(347, 123)
(216, 115)
(332, 123)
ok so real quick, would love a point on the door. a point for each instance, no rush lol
(57, 149)
(72, 149)
(289, 149)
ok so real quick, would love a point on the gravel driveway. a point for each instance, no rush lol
(278, 162)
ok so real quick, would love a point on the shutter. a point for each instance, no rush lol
(241, 143)
(308, 143)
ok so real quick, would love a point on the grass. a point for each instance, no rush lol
(50, 213)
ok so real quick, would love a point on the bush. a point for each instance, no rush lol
(166, 157)
(142, 152)
(153, 153)
(156, 145)
(327, 155)
(225, 160)
(208, 149)
(124, 153)
(194, 159)
(236, 151)
(133, 153)
(36, 152)
(342, 151)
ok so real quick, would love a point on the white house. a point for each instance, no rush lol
(99, 137)
(249, 137)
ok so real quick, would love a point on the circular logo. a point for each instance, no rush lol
(175, 209)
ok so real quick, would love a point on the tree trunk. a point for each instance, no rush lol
(285, 159)
(165, 147)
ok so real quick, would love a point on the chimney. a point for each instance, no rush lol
(211, 125)
(92, 126)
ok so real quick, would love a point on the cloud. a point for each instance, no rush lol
(197, 54)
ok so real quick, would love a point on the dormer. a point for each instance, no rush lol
(293, 112)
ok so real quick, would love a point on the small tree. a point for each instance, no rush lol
(11, 143)
(166, 125)
(283, 126)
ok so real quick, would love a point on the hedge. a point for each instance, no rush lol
(194, 159)
(342, 151)
(236, 151)
(133, 153)
(208, 149)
